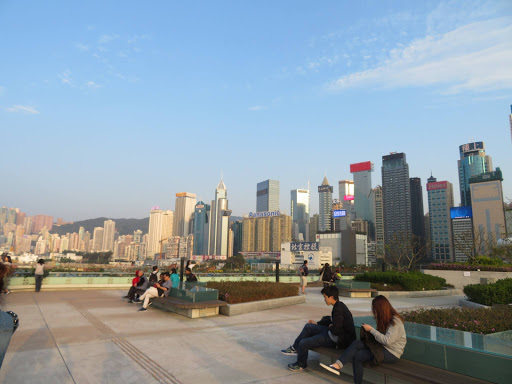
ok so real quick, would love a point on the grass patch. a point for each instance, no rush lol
(484, 321)
(247, 291)
(410, 281)
(499, 292)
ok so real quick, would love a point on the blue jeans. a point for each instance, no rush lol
(357, 354)
(6, 330)
(312, 335)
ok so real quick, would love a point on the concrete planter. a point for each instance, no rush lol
(442, 292)
(256, 306)
(470, 304)
(459, 279)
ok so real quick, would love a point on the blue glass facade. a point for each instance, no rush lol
(201, 228)
(473, 162)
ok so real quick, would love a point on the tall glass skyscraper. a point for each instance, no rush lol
(440, 200)
(219, 223)
(417, 212)
(201, 228)
(363, 204)
(473, 162)
(300, 209)
(267, 196)
(325, 206)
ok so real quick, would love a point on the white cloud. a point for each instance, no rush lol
(257, 108)
(475, 57)
(104, 39)
(65, 77)
(82, 47)
(92, 84)
(27, 109)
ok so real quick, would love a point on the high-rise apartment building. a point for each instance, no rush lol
(40, 222)
(266, 234)
(219, 223)
(183, 212)
(167, 224)
(154, 232)
(440, 200)
(379, 221)
(488, 209)
(137, 236)
(325, 206)
(300, 210)
(396, 196)
(201, 228)
(267, 196)
(249, 234)
(97, 239)
(109, 227)
(362, 173)
(473, 162)
(417, 212)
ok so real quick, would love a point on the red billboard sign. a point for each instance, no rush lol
(359, 167)
(437, 185)
(348, 197)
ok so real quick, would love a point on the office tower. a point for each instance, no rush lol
(325, 206)
(300, 210)
(313, 227)
(396, 196)
(137, 236)
(201, 228)
(440, 200)
(473, 162)
(248, 234)
(510, 121)
(97, 239)
(267, 196)
(462, 233)
(231, 242)
(183, 211)
(488, 210)
(219, 223)
(362, 173)
(167, 224)
(346, 192)
(109, 227)
(154, 231)
(417, 213)
(42, 221)
(379, 221)
(238, 237)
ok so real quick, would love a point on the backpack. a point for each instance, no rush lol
(300, 271)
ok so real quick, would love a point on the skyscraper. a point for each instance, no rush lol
(237, 228)
(440, 201)
(201, 228)
(396, 196)
(473, 162)
(346, 192)
(510, 120)
(167, 224)
(155, 231)
(379, 221)
(362, 173)
(325, 206)
(488, 209)
(219, 223)
(300, 210)
(267, 196)
(109, 227)
(417, 212)
(183, 211)
(462, 233)
(97, 239)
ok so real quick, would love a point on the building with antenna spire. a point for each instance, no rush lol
(219, 223)
(325, 206)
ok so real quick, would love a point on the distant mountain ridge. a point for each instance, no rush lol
(123, 226)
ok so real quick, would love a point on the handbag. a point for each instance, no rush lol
(376, 348)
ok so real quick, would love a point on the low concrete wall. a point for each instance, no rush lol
(255, 306)
(470, 304)
(442, 292)
(459, 279)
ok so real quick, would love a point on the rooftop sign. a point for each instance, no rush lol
(359, 167)
(264, 214)
(437, 185)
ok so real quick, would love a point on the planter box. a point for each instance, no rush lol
(470, 304)
(442, 292)
(256, 306)
(459, 279)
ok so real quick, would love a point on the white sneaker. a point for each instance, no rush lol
(330, 368)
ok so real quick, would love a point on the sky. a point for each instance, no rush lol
(111, 108)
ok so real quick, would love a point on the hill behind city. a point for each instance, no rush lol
(123, 226)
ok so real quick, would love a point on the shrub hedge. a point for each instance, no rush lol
(468, 267)
(245, 291)
(483, 320)
(496, 293)
(410, 281)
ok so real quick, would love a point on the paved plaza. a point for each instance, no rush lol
(94, 336)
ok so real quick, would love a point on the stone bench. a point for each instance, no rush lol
(357, 292)
(403, 370)
(187, 308)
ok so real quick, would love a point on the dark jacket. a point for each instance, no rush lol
(327, 274)
(374, 346)
(142, 280)
(153, 278)
(191, 277)
(341, 324)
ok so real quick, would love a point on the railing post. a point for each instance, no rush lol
(182, 267)
(277, 271)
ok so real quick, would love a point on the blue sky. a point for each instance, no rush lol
(110, 108)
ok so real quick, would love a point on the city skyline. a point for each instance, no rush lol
(94, 100)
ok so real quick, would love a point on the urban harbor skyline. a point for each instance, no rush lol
(109, 109)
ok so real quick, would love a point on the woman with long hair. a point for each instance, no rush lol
(386, 343)
(39, 274)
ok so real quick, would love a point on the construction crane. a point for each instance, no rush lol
(161, 246)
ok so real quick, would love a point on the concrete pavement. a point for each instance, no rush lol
(97, 337)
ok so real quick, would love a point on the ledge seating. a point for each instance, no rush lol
(357, 292)
(403, 370)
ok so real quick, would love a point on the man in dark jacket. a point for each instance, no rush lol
(190, 276)
(335, 331)
(153, 277)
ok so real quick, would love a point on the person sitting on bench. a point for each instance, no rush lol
(157, 290)
(336, 330)
(190, 276)
(139, 282)
(382, 345)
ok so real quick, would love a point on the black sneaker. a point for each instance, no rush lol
(142, 309)
(295, 367)
(289, 351)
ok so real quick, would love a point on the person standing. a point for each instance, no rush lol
(326, 275)
(175, 278)
(39, 274)
(303, 273)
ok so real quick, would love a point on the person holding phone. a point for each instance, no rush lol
(386, 343)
